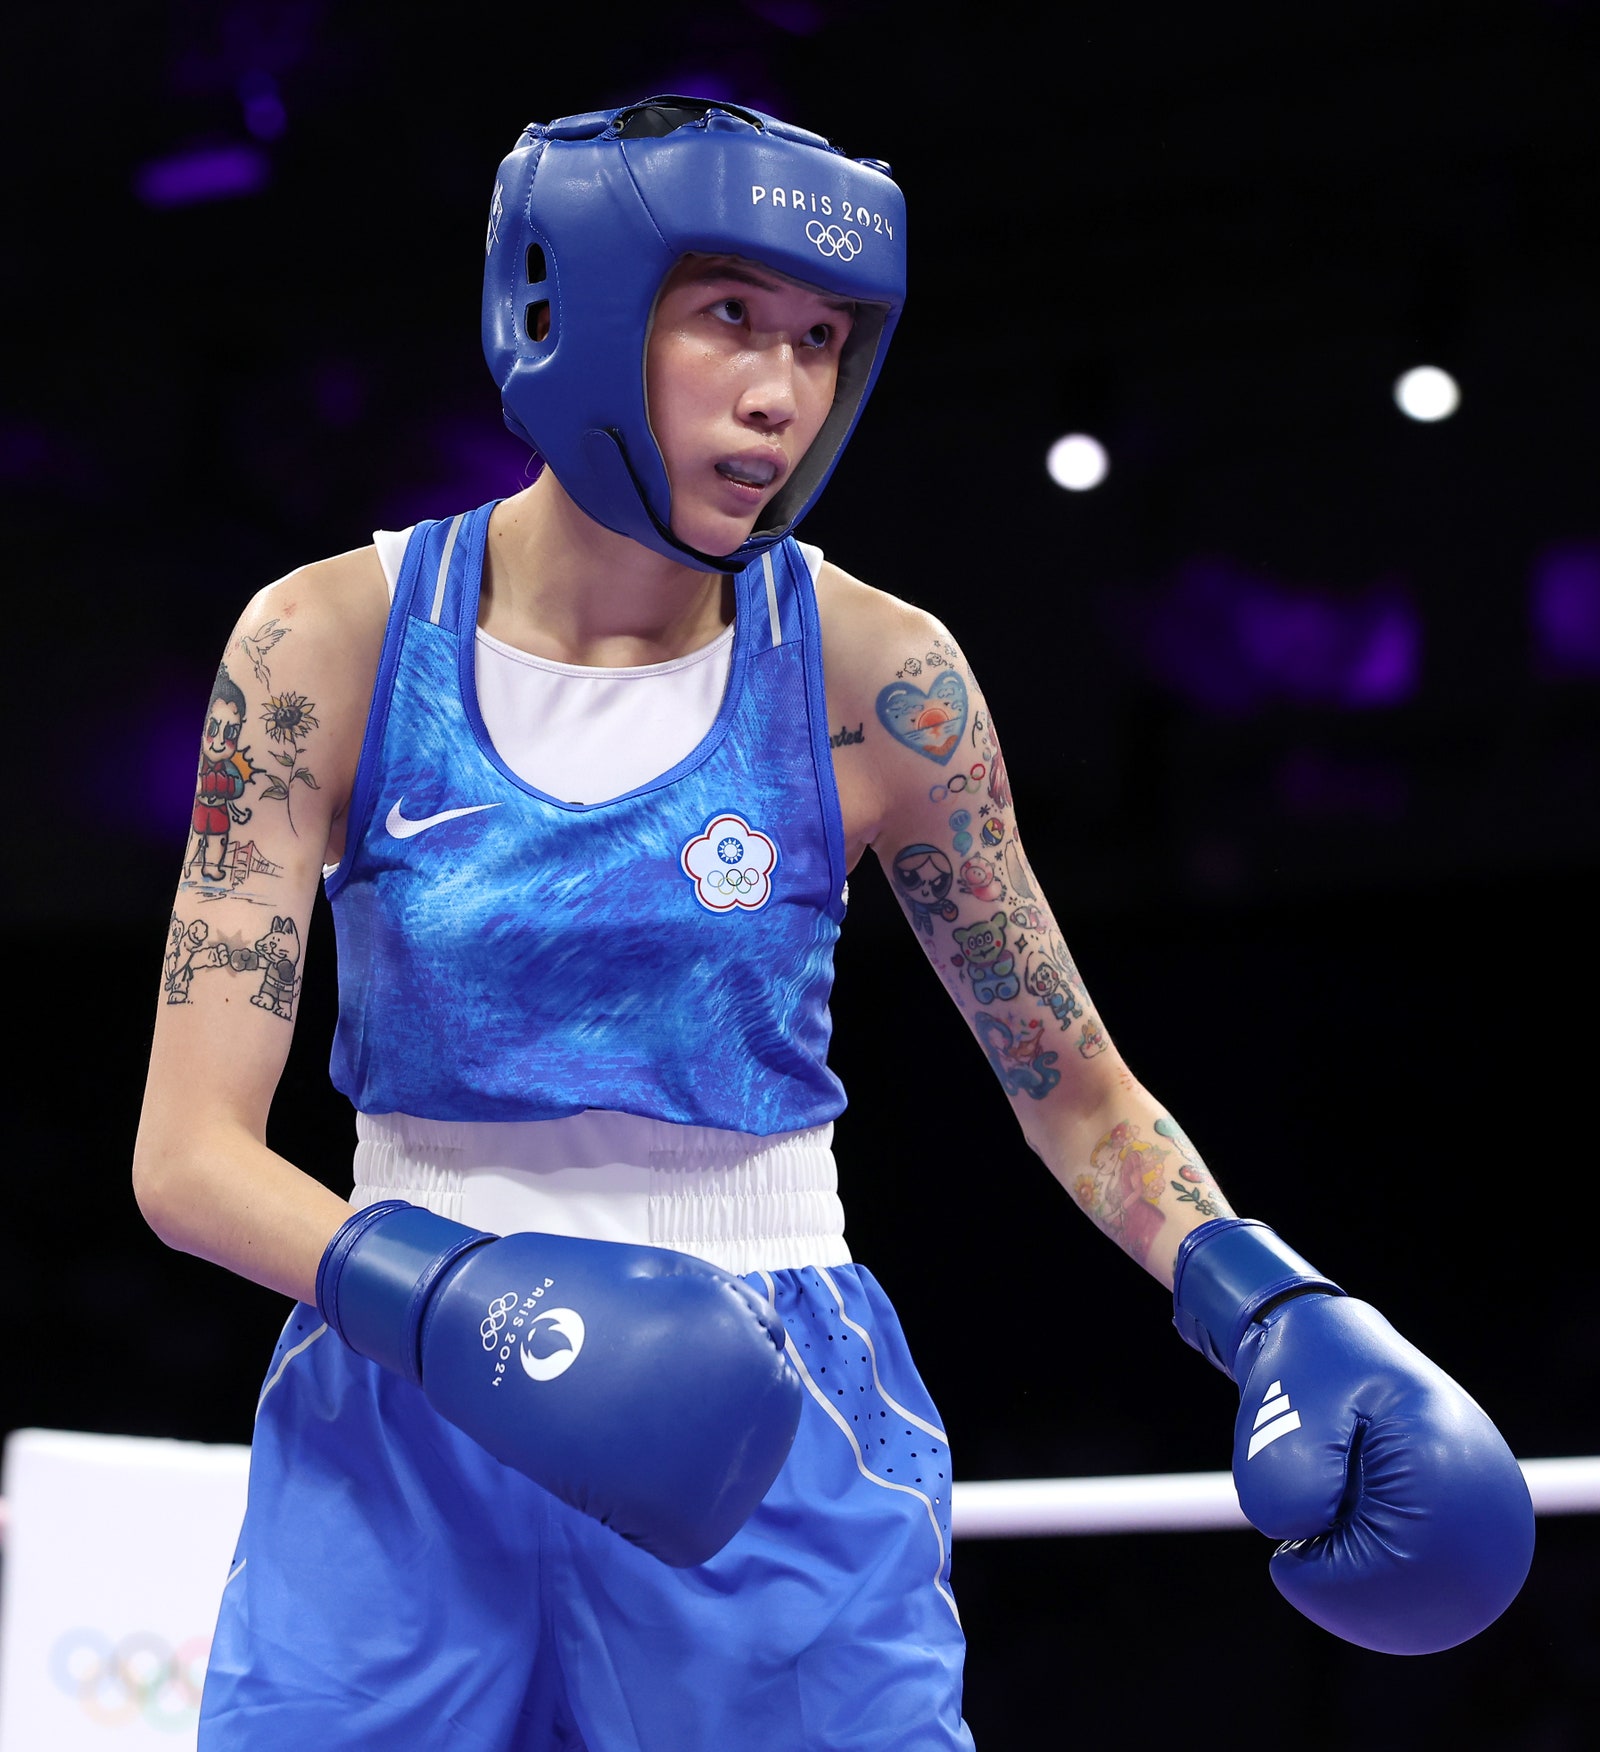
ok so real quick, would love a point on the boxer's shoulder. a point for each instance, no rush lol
(871, 638)
(896, 678)
(306, 651)
(854, 611)
(341, 601)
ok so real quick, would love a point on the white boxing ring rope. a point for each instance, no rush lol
(1170, 1502)
(1182, 1502)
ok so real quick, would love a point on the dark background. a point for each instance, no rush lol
(1300, 705)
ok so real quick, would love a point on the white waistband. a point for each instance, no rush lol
(745, 1203)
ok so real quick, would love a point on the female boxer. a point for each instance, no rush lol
(587, 1430)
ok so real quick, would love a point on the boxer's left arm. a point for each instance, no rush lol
(926, 787)
(1407, 1523)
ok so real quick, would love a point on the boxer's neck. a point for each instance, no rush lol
(557, 584)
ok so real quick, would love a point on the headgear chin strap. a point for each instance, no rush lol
(590, 214)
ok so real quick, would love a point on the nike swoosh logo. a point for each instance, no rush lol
(401, 828)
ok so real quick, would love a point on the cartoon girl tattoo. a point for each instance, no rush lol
(922, 876)
(225, 770)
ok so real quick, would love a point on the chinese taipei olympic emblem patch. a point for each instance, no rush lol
(730, 864)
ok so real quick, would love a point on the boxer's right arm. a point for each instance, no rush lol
(680, 1411)
(299, 673)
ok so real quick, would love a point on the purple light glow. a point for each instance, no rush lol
(203, 173)
(738, 81)
(339, 394)
(24, 450)
(468, 462)
(1317, 786)
(797, 17)
(264, 114)
(35, 456)
(1233, 643)
(160, 766)
(1564, 601)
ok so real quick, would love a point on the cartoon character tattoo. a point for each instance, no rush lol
(277, 954)
(1050, 986)
(942, 654)
(1017, 1061)
(985, 960)
(225, 770)
(979, 880)
(189, 951)
(274, 955)
(1123, 1194)
(922, 878)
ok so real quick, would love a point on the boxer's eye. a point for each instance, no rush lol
(730, 309)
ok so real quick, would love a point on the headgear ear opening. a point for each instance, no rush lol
(590, 214)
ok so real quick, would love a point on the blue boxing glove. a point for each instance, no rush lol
(644, 1387)
(1406, 1521)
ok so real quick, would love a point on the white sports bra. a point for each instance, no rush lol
(583, 734)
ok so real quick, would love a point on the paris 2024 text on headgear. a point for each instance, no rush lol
(591, 212)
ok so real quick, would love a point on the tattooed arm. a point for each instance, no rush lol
(277, 755)
(926, 787)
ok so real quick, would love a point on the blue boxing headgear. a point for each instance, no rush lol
(591, 213)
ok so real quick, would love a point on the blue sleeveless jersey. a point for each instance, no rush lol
(504, 955)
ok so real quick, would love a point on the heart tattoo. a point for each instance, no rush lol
(932, 723)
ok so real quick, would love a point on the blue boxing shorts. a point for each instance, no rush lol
(395, 1586)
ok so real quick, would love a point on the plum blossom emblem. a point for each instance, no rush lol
(730, 864)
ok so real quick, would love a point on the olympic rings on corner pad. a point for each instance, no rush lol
(141, 1675)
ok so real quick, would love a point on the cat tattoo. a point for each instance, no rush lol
(275, 956)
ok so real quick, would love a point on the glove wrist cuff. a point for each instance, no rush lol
(1228, 1273)
(378, 1273)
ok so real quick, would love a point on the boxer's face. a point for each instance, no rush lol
(740, 373)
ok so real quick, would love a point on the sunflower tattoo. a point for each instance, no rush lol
(287, 718)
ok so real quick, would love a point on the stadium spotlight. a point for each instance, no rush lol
(1426, 393)
(1077, 462)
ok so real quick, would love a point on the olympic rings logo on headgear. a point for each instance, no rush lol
(494, 1324)
(831, 241)
(139, 1676)
(733, 881)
